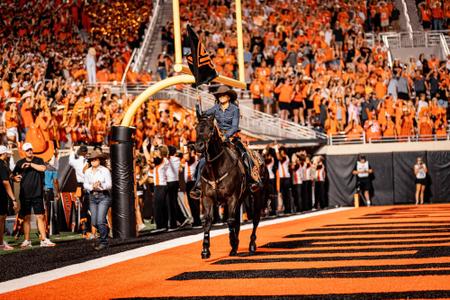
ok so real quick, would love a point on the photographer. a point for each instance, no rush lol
(363, 172)
(297, 179)
(420, 171)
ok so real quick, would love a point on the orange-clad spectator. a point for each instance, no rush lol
(268, 96)
(331, 124)
(103, 75)
(99, 129)
(298, 103)
(285, 91)
(42, 122)
(389, 128)
(372, 127)
(26, 111)
(425, 13)
(353, 131)
(425, 125)
(257, 91)
(11, 120)
(407, 126)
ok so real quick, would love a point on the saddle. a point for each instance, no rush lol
(257, 161)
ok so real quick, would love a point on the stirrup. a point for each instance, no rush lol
(195, 194)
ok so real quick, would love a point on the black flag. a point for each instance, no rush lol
(199, 61)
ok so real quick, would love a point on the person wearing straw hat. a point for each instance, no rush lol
(97, 183)
(226, 114)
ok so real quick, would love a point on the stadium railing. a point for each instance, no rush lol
(147, 38)
(343, 139)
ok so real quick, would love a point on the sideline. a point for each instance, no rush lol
(43, 277)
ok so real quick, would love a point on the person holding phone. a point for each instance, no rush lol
(420, 171)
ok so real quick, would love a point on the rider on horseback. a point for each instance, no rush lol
(226, 113)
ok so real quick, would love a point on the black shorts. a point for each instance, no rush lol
(422, 181)
(365, 184)
(309, 104)
(3, 208)
(295, 105)
(27, 204)
(284, 106)
(403, 96)
(257, 101)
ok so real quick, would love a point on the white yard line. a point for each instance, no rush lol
(39, 278)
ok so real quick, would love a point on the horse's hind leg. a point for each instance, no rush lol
(257, 198)
(207, 228)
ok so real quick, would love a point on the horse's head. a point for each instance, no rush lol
(205, 131)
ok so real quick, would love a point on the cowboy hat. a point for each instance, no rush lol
(225, 90)
(96, 155)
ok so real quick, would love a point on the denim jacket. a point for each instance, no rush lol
(227, 120)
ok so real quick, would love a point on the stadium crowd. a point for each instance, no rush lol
(434, 14)
(312, 64)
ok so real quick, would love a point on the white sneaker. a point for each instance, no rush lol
(141, 227)
(47, 243)
(6, 247)
(26, 244)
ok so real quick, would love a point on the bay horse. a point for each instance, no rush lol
(223, 181)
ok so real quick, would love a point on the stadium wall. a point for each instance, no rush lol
(393, 179)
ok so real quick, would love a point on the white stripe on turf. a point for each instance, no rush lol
(39, 278)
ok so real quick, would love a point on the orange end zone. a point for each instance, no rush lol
(363, 251)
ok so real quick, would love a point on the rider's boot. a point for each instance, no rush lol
(255, 185)
(196, 191)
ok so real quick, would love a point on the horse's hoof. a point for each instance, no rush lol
(252, 249)
(206, 254)
(233, 253)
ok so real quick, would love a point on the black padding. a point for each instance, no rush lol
(383, 185)
(123, 210)
(404, 178)
(438, 163)
(342, 183)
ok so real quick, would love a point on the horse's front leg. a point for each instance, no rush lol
(207, 223)
(233, 224)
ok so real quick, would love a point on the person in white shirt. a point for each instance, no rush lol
(97, 183)
(420, 171)
(172, 173)
(297, 180)
(363, 172)
(319, 183)
(78, 161)
(285, 177)
(160, 163)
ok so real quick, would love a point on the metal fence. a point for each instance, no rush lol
(343, 139)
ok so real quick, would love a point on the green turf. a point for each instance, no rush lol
(61, 237)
